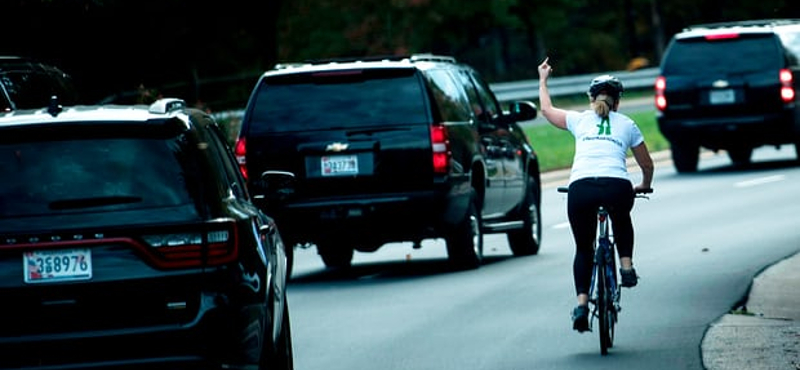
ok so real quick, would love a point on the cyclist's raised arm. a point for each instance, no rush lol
(556, 116)
(645, 162)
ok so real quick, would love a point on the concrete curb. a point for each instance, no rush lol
(765, 335)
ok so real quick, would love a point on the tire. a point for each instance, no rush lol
(279, 355)
(740, 156)
(604, 319)
(289, 260)
(685, 157)
(526, 241)
(797, 149)
(465, 240)
(335, 254)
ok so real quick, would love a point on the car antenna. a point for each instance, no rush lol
(54, 108)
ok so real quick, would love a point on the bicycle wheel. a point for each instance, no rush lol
(604, 313)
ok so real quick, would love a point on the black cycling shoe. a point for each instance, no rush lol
(580, 318)
(628, 278)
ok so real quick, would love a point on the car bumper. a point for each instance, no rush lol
(221, 334)
(725, 132)
(383, 218)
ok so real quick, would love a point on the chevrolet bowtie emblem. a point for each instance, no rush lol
(336, 147)
(720, 84)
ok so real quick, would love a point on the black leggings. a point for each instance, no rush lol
(585, 195)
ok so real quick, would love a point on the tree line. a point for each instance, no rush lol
(213, 52)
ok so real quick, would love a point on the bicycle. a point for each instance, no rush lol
(604, 292)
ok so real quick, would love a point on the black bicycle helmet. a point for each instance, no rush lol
(607, 83)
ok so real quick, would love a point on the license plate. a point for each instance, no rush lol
(339, 165)
(44, 266)
(721, 97)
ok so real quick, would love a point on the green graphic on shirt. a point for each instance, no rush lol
(605, 127)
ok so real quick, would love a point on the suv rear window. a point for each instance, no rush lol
(103, 174)
(352, 98)
(697, 56)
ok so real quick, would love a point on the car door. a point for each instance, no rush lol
(506, 145)
(492, 148)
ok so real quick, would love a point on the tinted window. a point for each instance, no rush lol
(486, 96)
(747, 54)
(101, 174)
(326, 100)
(450, 97)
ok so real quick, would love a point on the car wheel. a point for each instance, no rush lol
(465, 240)
(526, 241)
(797, 149)
(740, 156)
(289, 260)
(685, 157)
(335, 254)
(279, 355)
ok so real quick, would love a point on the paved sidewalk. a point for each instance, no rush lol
(765, 334)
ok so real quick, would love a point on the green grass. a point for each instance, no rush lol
(556, 147)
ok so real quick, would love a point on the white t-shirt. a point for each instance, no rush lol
(601, 147)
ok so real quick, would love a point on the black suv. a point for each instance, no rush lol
(26, 83)
(730, 86)
(392, 149)
(127, 237)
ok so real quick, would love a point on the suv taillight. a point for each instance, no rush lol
(441, 149)
(787, 90)
(661, 99)
(212, 243)
(240, 151)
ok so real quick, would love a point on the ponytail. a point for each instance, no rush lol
(602, 104)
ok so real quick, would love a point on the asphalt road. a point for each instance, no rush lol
(700, 240)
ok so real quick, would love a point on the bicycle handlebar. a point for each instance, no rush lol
(565, 189)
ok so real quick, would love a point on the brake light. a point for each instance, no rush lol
(240, 152)
(212, 243)
(441, 149)
(787, 88)
(661, 100)
(722, 36)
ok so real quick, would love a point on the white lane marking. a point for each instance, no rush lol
(760, 181)
(563, 225)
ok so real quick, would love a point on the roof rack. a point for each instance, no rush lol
(372, 58)
(748, 23)
(166, 105)
(432, 58)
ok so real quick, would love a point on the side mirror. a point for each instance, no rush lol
(522, 111)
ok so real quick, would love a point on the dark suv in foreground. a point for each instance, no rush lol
(392, 149)
(26, 83)
(128, 239)
(730, 86)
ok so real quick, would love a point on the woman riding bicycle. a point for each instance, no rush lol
(599, 177)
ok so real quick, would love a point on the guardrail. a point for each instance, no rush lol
(571, 85)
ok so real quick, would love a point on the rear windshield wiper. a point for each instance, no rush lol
(93, 202)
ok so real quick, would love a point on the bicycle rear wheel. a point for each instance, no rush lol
(605, 313)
